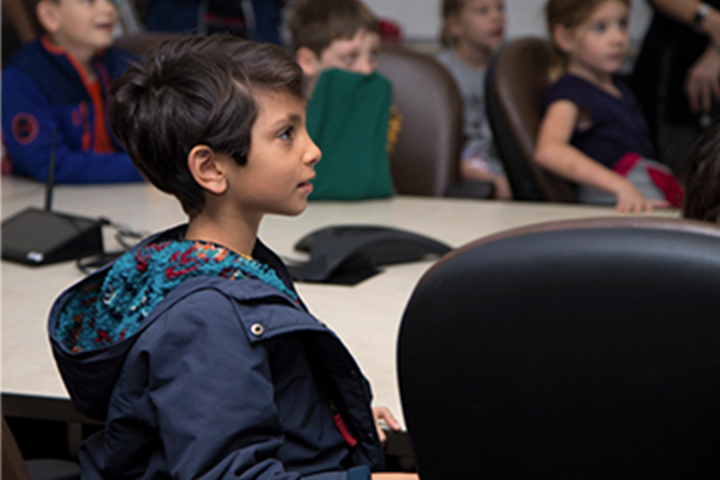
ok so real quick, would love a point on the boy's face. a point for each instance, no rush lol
(80, 24)
(281, 161)
(358, 54)
(480, 23)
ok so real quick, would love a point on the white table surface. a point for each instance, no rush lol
(366, 316)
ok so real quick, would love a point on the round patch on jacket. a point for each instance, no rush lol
(25, 128)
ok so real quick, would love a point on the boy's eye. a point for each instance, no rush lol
(623, 24)
(287, 134)
(349, 59)
(598, 27)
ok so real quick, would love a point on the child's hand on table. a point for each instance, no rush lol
(630, 200)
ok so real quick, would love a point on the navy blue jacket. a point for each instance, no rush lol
(224, 378)
(44, 89)
(210, 16)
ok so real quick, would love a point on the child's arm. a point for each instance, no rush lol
(555, 153)
(28, 122)
(684, 11)
(468, 171)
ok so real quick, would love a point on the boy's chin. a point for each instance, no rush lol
(299, 210)
(105, 44)
(103, 40)
(293, 210)
(495, 43)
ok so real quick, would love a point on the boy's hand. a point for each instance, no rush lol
(383, 414)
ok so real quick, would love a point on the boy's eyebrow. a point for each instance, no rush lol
(292, 118)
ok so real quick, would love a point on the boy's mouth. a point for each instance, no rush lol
(305, 186)
(105, 26)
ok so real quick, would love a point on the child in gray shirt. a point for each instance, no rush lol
(472, 31)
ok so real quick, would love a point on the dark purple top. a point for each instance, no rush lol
(618, 126)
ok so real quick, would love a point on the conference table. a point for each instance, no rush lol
(366, 316)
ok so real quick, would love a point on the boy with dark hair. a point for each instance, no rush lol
(350, 113)
(340, 34)
(54, 95)
(194, 348)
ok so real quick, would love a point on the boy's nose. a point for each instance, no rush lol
(313, 154)
(365, 66)
(619, 36)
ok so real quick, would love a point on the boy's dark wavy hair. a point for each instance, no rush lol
(195, 91)
(701, 177)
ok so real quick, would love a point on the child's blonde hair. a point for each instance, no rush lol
(450, 8)
(569, 14)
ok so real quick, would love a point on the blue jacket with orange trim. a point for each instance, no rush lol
(45, 89)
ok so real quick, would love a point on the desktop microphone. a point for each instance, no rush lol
(40, 237)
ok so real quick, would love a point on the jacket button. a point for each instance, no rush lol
(257, 329)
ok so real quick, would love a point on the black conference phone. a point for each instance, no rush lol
(348, 254)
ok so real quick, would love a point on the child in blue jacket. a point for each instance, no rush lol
(56, 87)
(194, 348)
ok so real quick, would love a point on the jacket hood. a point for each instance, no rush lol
(94, 324)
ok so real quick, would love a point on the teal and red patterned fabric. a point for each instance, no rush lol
(106, 312)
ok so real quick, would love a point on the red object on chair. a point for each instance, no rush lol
(390, 31)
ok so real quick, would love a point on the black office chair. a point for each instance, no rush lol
(515, 85)
(15, 467)
(584, 349)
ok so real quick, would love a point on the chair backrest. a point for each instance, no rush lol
(21, 14)
(425, 160)
(143, 43)
(515, 84)
(581, 349)
(13, 464)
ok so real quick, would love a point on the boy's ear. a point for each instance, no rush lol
(308, 61)
(563, 38)
(207, 170)
(48, 15)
